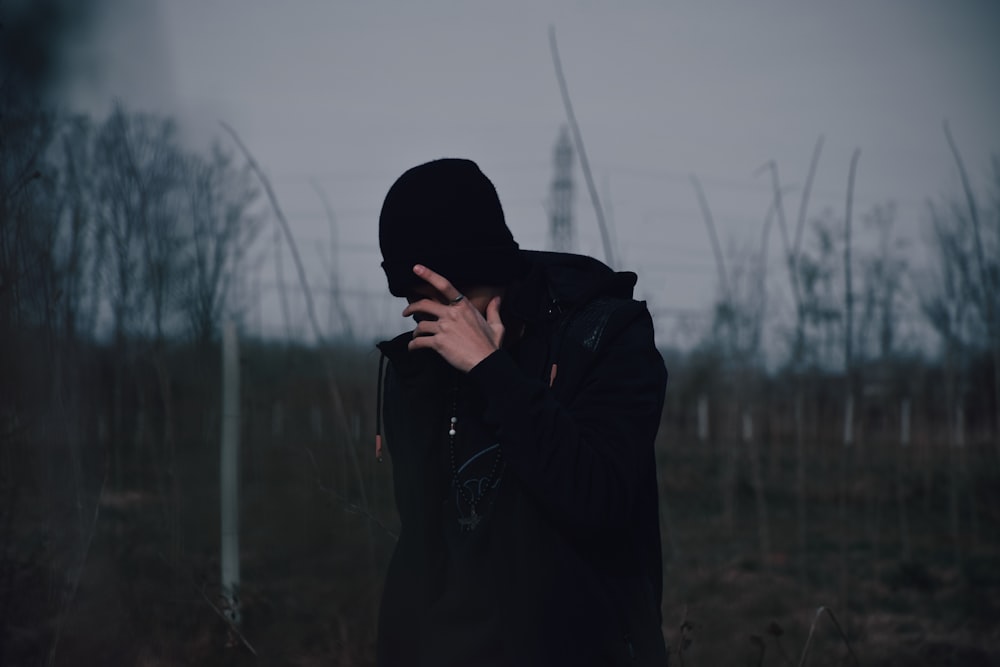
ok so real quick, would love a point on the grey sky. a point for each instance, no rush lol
(353, 93)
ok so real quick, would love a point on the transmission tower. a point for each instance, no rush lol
(561, 211)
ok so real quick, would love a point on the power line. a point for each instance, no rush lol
(662, 174)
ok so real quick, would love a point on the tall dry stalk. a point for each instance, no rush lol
(950, 312)
(800, 223)
(578, 141)
(279, 272)
(332, 384)
(800, 449)
(720, 263)
(725, 317)
(848, 437)
(812, 631)
(336, 398)
(989, 283)
(798, 346)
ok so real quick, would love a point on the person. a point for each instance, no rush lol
(520, 415)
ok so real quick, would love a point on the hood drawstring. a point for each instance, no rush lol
(378, 407)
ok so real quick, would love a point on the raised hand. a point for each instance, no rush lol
(460, 333)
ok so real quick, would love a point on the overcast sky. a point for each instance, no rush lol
(350, 94)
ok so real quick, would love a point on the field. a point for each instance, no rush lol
(111, 551)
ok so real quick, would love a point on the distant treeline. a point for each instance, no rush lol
(113, 230)
(866, 323)
(116, 225)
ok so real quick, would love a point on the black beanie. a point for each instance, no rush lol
(446, 215)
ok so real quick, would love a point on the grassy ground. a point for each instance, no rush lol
(932, 608)
(137, 580)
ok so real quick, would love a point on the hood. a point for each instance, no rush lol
(557, 282)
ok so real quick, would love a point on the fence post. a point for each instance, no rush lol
(901, 477)
(229, 472)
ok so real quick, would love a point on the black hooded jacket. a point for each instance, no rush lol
(572, 554)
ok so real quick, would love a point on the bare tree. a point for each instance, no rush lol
(40, 410)
(139, 164)
(140, 196)
(220, 199)
(75, 246)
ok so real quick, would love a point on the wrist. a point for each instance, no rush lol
(478, 365)
(480, 357)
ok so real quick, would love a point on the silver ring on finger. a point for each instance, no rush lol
(457, 299)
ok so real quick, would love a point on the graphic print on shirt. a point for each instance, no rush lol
(479, 475)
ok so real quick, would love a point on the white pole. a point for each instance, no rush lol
(229, 472)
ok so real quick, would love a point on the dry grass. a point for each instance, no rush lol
(314, 552)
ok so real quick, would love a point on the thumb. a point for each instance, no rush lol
(493, 311)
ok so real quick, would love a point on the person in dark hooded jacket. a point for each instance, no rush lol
(520, 415)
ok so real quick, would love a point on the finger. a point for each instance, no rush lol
(428, 306)
(422, 342)
(425, 328)
(437, 281)
(493, 311)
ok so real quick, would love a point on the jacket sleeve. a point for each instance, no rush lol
(583, 456)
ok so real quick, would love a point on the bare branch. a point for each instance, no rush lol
(229, 623)
(971, 202)
(286, 228)
(812, 630)
(336, 398)
(779, 208)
